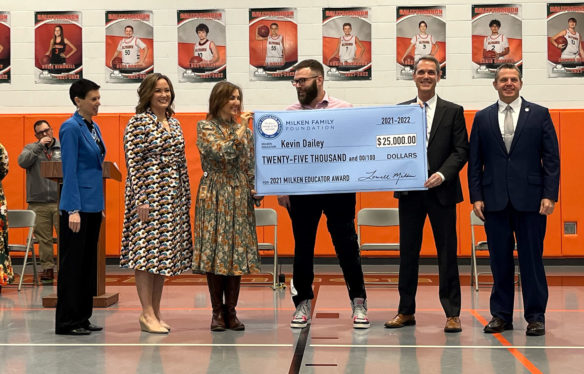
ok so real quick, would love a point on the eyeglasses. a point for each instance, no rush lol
(45, 131)
(301, 81)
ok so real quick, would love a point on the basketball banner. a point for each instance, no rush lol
(346, 43)
(57, 47)
(565, 24)
(273, 43)
(496, 38)
(201, 45)
(324, 151)
(420, 31)
(129, 45)
(4, 47)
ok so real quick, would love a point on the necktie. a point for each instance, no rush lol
(508, 129)
(428, 124)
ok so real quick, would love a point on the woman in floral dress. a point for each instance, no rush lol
(156, 238)
(225, 232)
(6, 273)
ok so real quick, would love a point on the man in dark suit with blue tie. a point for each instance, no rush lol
(447, 149)
(81, 207)
(513, 178)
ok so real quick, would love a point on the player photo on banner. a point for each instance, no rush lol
(129, 46)
(420, 31)
(346, 43)
(57, 47)
(201, 45)
(496, 38)
(273, 43)
(565, 46)
(4, 47)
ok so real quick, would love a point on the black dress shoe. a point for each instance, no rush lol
(77, 331)
(47, 276)
(497, 325)
(92, 327)
(535, 329)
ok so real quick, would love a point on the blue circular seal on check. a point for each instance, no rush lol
(269, 126)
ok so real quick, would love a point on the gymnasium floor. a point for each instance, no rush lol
(268, 345)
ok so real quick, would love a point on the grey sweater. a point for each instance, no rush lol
(38, 188)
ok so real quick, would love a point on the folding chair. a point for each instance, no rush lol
(269, 217)
(23, 219)
(378, 217)
(481, 246)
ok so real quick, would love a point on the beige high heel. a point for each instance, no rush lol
(150, 328)
(164, 324)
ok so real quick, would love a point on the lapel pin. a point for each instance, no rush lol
(527, 109)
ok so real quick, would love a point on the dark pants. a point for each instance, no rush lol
(339, 209)
(529, 229)
(413, 209)
(77, 281)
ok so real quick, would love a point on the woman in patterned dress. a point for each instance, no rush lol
(6, 273)
(156, 238)
(225, 234)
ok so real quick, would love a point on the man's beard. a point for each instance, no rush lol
(309, 94)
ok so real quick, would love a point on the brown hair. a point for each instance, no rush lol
(62, 34)
(315, 66)
(509, 66)
(146, 91)
(428, 58)
(220, 95)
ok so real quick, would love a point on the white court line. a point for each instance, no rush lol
(443, 346)
(280, 345)
(141, 345)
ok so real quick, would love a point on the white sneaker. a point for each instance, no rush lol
(360, 320)
(301, 317)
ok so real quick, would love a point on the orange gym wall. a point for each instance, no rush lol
(17, 131)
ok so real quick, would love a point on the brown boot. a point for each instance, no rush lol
(215, 284)
(231, 295)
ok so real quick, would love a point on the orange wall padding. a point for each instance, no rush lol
(16, 131)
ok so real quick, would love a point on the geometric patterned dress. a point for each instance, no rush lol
(6, 272)
(157, 175)
(225, 231)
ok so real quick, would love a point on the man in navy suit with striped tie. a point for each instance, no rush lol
(513, 178)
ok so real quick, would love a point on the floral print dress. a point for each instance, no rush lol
(6, 272)
(157, 175)
(225, 231)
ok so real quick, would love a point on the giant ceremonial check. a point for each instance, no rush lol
(340, 150)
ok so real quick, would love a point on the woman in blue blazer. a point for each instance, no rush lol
(81, 206)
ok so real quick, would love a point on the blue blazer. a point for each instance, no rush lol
(82, 167)
(529, 172)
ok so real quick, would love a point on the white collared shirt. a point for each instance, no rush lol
(430, 110)
(516, 106)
